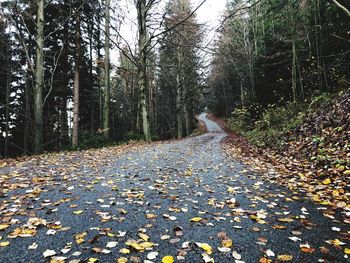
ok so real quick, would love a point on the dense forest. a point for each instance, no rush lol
(62, 88)
(274, 52)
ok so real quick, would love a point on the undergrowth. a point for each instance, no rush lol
(268, 127)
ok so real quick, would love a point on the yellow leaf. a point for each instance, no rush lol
(4, 244)
(144, 236)
(337, 242)
(188, 172)
(78, 212)
(92, 260)
(285, 220)
(146, 244)
(124, 251)
(347, 251)
(230, 189)
(151, 216)
(326, 181)
(285, 258)
(122, 260)
(196, 219)
(134, 245)
(211, 202)
(265, 260)
(206, 247)
(168, 259)
(227, 243)
(79, 238)
(3, 227)
(335, 193)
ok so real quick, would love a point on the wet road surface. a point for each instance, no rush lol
(179, 196)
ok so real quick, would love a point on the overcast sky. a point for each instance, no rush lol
(209, 14)
(211, 11)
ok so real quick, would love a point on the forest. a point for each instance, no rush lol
(71, 79)
(174, 131)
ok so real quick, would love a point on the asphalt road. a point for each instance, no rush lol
(156, 190)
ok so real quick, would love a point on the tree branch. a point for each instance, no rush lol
(347, 11)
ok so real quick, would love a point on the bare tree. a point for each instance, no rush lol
(39, 79)
(142, 10)
(75, 133)
(106, 106)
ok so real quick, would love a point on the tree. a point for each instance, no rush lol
(179, 66)
(106, 106)
(39, 79)
(143, 45)
(75, 133)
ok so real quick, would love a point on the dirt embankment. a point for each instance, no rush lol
(315, 158)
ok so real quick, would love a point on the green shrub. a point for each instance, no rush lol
(133, 136)
(242, 119)
(269, 126)
(91, 140)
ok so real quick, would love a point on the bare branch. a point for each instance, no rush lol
(347, 11)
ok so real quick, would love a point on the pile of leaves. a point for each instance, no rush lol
(315, 157)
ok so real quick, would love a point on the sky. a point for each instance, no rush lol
(211, 11)
(209, 14)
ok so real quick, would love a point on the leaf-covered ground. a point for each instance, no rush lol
(179, 201)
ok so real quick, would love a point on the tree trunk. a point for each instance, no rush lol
(99, 73)
(179, 106)
(294, 58)
(106, 103)
(27, 122)
(92, 91)
(294, 70)
(76, 84)
(142, 65)
(63, 118)
(39, 79)
(7, 112)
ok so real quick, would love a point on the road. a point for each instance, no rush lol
(180, 196)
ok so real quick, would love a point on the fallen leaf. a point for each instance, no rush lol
(326, 181)
(235, 255)
(168, 259)
(206, 247)
(4, 244)
(49, 253)
(3, 226)
(152, 255)
(265, 260)
(144, 237)
(270, 253)
(227, 243)
(78, 212)
(285, 258)
(196, 219)
(124, 251)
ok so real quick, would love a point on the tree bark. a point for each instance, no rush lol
(92, 91)
(179, 107)
(76, 84)
(7, 112)
(106, 104)
(142, 65)
(39, 79)
(63, 118)
(294, 71)
(27, 122)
